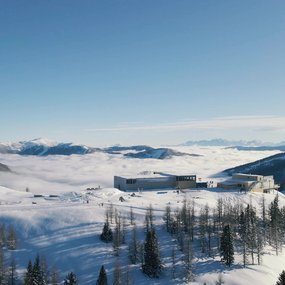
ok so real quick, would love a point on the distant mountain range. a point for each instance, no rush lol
(272, 165)
(259, 148)
(232, 143)
(158, 153)
(42, 147)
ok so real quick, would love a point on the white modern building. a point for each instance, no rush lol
(250, 182)
(154, 180)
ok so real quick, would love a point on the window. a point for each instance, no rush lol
(131, 181)
(186, 178)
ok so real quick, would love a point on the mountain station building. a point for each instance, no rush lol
(250, 182)
(155, 180)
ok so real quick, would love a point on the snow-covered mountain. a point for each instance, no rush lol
(272, 165)
(224, 142)
(158, 153)
(43, 147)
(260, 148)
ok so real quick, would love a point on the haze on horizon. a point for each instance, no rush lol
(142, 72)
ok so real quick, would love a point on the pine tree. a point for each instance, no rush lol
(226, 247)
(242, 233)
(152, 264)
(54, 276)
(37, 272)
(251, 230)
(12, 274)
(11, 238)
(28, 280)
(281, 279)
(134, 246)
(117, 274)
(2, 235)
(102, 278)
(188, 259)
(107, 234)
(132, 217)
(2, 268)
(167, 218)
(70, 279)
(275, 222)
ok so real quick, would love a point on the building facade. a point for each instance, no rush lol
(153, 181)
(249, 182)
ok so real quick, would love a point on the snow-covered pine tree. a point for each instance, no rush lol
(28, 280)
(2, 268)
(274, 223)
(134, 247)
(11, 238)
(38, 277)
(54, 276)
(251, 230)
(107, 234)
(226, 247)
(70, 279)
(152, 265)
(12, 273)
(281, 279)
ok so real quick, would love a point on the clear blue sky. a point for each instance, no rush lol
(142, 71)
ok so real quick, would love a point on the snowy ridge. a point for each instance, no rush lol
(45, 147)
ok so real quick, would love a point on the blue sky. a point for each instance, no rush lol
(148, 71)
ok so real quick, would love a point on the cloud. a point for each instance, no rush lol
(268, 123)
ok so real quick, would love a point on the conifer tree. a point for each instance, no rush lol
(70, 279)
(102, 278)
(11, 238)
(107, 234)
(37, 272)
(134, 246)
(54, 276)
(28, 280)
(132, 216)
(117, 274)
(152, 264)
(2, 267)
(12, 274)
(275, 222)
(226, 247)
(2, 235)
(281, 279)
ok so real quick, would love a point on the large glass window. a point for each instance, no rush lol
(131, 181)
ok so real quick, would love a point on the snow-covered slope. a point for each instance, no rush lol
(64, 220)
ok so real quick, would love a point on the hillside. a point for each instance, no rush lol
(62, 220)
(272, 165)
(65, 230)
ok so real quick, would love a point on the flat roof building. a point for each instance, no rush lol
(249, 182)
(154, 180)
